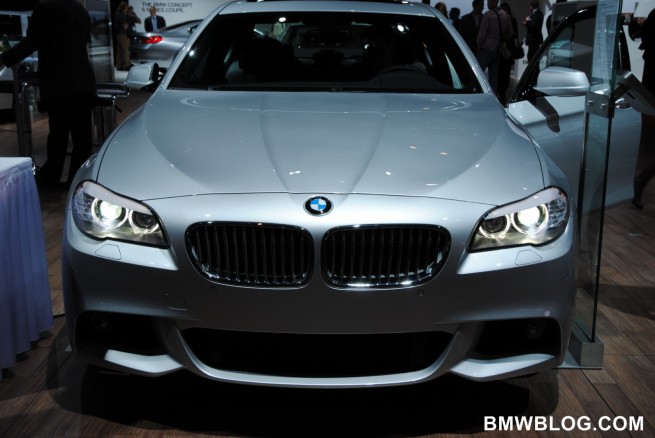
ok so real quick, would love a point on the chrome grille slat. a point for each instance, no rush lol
(225, 251)
(398, 260)
(253, 249)
(371, 255)
(390, 260)
(263, 253)
(251, 254)
(275, 257)
(283, 255)
(237, 255)
(246, 254)
(384, 256)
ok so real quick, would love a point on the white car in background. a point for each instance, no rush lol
(162, 45)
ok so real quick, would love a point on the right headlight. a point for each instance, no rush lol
(103, 214)
(533, 221)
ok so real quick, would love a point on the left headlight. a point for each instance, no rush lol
(103, 214)
(533, 221)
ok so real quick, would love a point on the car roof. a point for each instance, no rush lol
(377, 6)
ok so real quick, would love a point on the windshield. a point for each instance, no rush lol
(326, 51)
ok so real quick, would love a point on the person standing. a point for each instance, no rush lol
(533, 24)
(454, 17)
(470, 24)
(60, 31)
(495, 27)
(122, 30)
(506, 65)
(441, 7)
(645, 169)
(648, 46)
(132, 20)
(154, 22)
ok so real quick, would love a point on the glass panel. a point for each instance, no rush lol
(591, 204)
(100, 45)
(573, 48)
(598, 125)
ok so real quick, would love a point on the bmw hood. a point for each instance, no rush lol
(184, 143)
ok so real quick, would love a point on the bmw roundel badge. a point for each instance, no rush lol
(318, 205)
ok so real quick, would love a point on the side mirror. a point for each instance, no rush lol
(562, 81)
(143, 76)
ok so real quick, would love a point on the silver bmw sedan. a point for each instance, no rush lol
(321, 194)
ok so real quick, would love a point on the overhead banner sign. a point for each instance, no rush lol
(176, 11)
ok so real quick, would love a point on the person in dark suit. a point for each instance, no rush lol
(60, 31)
(645, 169)
(533, 24)
(453, 15)
(132, 20)
(506, 65)
(154, 22)
(470, 23)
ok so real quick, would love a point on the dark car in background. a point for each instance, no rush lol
(161, 46)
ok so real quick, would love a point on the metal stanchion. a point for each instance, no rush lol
(25, 79)
(106, 109)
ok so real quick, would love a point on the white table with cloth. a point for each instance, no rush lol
(25, 306)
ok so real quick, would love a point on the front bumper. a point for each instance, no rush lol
(485, 316)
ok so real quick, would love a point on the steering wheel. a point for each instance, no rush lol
(400, 68)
